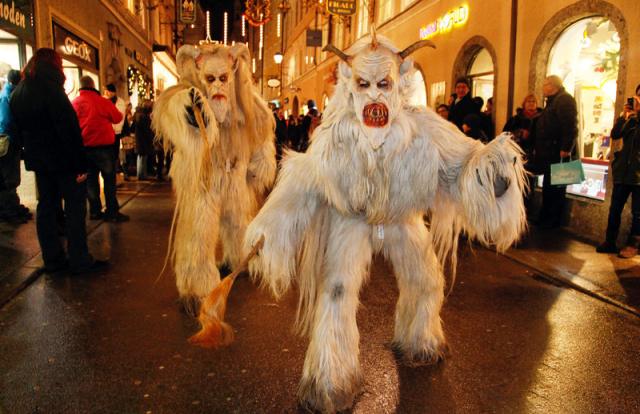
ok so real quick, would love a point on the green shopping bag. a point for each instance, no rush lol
(566, 173)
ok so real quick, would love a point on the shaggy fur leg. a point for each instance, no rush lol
(332, 376)
(418, 338)
(233, 226)
(194, 251)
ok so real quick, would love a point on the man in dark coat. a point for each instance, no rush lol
(463, 105)
(54, 150)
(625, 169)
(554, 139)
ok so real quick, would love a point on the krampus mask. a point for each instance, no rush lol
(377, 76)
(212, 69)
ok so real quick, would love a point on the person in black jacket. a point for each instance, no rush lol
(555, 133)
(54, 150)
(625, 172)
(463, 105)
(520, 125)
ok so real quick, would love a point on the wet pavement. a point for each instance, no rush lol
(116, 342)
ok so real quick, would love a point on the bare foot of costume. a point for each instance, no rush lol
(221, 133)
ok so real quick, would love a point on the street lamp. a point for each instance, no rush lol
(278, 57)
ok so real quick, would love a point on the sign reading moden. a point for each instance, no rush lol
(16, 16)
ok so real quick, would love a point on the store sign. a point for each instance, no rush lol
(16, 16)
(450, 20)
(188, 12)
(140, 58)
(342, 7)
(74, 49)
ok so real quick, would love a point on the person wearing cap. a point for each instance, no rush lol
(110, 93)
(463, 105)
(11, 210)
(96, 115)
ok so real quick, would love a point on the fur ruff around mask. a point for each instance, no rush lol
(360, 191)
(219, 173)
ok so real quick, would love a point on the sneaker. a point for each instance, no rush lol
(96, 216)
(116, 218)
(96, 266)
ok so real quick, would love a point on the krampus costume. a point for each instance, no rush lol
(221, 134)
(375, 166)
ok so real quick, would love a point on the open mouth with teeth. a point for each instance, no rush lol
(375, 115)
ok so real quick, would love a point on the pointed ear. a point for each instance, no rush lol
(345, 71)
(406, 66)
(237, 52)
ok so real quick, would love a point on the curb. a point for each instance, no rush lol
(36, 273)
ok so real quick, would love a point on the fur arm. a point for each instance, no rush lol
(261, 170)
(169, 119)
(494, 220)
(465, 198)
(284, 221)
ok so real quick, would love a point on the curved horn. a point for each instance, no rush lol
(417, 45)
(186, 52)
(338, 52)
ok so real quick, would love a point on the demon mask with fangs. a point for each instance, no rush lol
(375, 75)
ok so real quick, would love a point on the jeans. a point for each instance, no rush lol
(142, 167)
(10, 176)
(51, 188)
(101, 160)
(619, 196)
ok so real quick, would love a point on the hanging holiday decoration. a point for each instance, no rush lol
(258, 12)
(144, 83)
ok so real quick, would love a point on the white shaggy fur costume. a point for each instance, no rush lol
(219, 175)
(375, 166)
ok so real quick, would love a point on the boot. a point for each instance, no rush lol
(631, 250)
(608, 246)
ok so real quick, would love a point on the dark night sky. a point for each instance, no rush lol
(217, 9)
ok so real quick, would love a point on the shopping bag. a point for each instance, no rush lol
(4, 144)
(566, 173)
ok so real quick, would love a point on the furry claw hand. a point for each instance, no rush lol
(500, 184)
(196, 100)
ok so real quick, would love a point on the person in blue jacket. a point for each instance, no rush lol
(11, 210)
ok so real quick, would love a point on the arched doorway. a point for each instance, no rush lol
(481, 75)
(419, 95)
(586, 57)
(548, 41)
(477, 61)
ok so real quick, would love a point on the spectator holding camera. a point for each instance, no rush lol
(625, 169)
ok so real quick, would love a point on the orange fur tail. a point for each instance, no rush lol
(215, 333)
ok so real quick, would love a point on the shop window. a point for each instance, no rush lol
(418, 96)
(481, 75)
(385, 11)
(586, 57)
(363, 18)
(439, 94)
(9, 53)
